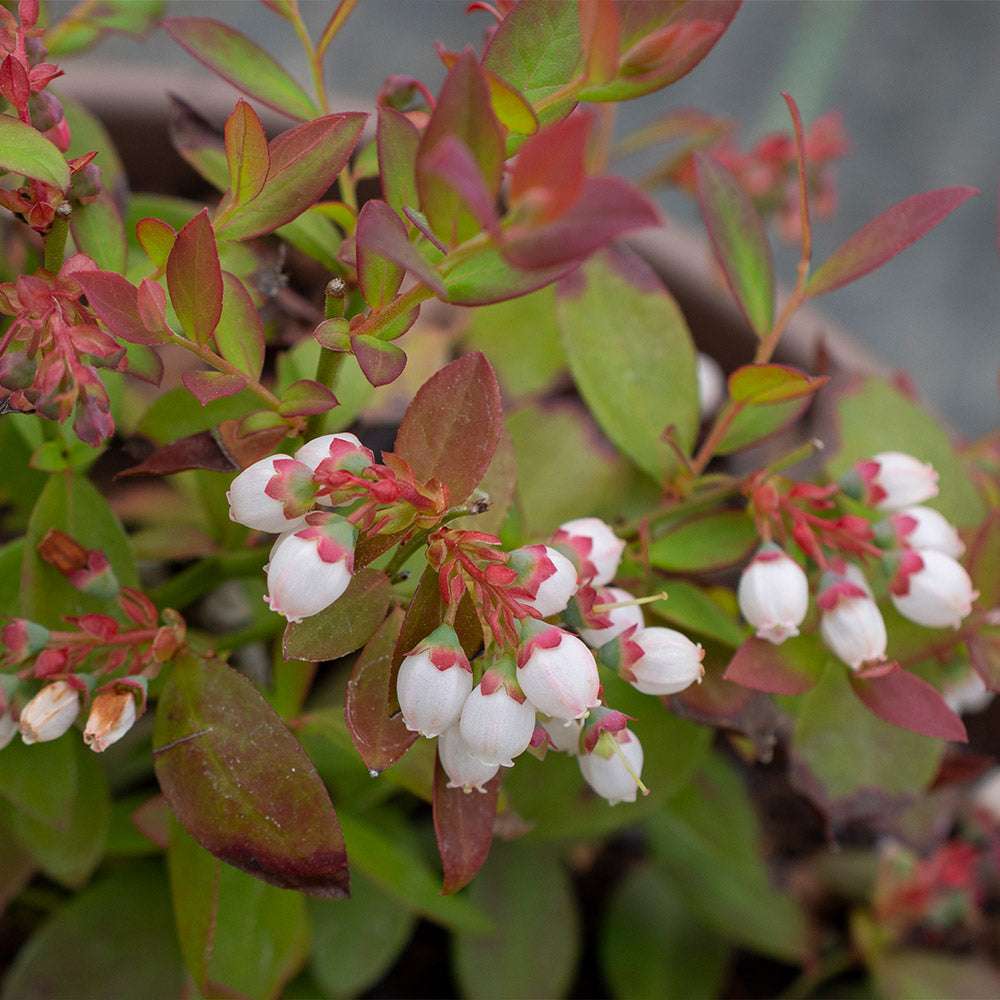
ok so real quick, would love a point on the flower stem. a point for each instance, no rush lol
(55, 239)
(328, 365)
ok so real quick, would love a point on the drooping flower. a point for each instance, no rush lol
(433, 682)
(112, 715)
(596, 623)
(850, 622)
(773, 594)
(920, 527)
(557, 671)
(593, 548)
(311, 567)
(338, 462)
(931, 589)
(613, 767)
(656, 661)
(464, 768)
(892, 480)
(272, 495)
(497, 719)
(547, 575)
(50, 713)
(562, 734)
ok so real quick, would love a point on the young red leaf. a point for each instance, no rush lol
(306, 398)
(151, 298)
(764, 384)
(738, 241)
(451, 428)
(398, 139)
(240, 334)
(381, 363)
(380, 737)
(379, 274)
(463, 827)
(305, 161)
(784, 669)
(206, 386)
(885, 236)
(194, 279)
(240, 783)
(235, 58)
(115, 301)
(462, 112)
(156, 238)
(454, 164)
(246, 153)
(910, 702)
(600, 36)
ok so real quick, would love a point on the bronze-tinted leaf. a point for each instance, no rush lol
(463, 826)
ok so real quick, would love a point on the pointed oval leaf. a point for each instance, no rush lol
(115, 301)
(463, 827)
(99, 232)
(306, 398)
(794, 667)
(764, 384)
(451, 429)
(718, 539)
(885, 236)
(738, 241)
(344, 626)
(909, 701)
(485, 277)
(398, 139)
(378, 275)
(240, 333)
(208, 386)
(754, 424)
(246, 153)
(25, 151)
(235, 58)
(241, 784)
(194, 279)
(156, 238)
(305, 161)
(381, 363)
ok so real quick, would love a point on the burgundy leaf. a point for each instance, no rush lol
(549, 171)
(206, 386)
(197, 451)
(451, 428)
(194, 278)
(783, 669)
(115, 301)
(381, 363)
(463, 827)
(910, 702)
(453, 162)
(240, 783)
(885, 236)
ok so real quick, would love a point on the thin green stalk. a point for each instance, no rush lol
(328, 365)
(55, 239)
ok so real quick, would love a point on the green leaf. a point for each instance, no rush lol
(397, 138)
(25, 151)
(178, 414)
(766, 384)
(625, 378)
(194, 279)
(738, 240)
(105, 928)
(306, 398)
(71, 504)
(525, 889)
(241, 784)
(652, 946)
(235, 932)
(912, 974)
(99, 232)
(239, 334)
(754, 424)
(316, 236)
(702, 543)
(235, 58)
(690, 607)
(246, 153)
(40, 780)
(483, 276)
(355, 943)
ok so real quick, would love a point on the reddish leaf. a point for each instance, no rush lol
(378, 275)
(206, 386)
(306, 398)
(240, 783)
(151, 299)
(305, 161)
(344, 626)
(791, 668)
(909, 702)
(197, 451)
(397, 138)
(381, 363)
(115, 301)
(239, 334)
(549, 173)
(738, 240)
(608, 208)
(462, 112)
(246, 153)
(454, 164)
(194, 279)
(800, 166)
(451, 428)
(463, 827)
(885, 236)
(510, 106)
(765, 384)
(156, 238)
(600, 36)
(380, 737)
(984, 651)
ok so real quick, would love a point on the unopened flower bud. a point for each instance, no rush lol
(919, 527)
(657, 661)
(497, 719)
(557, 671)
(593, 548)
(850, 622)
(87, 570)
(433, 682)
(547, 575)
(931, 589)
(711, 386)
(773, 594)
(614, 767)
(464, 769)
(112, 715)
(595, 622)
(311, 567)
(50, 713)
(891, 480)
(21, 639)
(272, 495)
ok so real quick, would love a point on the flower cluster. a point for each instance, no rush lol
(538, 683)
(918, 550)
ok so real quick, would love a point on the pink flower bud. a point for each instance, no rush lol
(497, 719)
(50, 713)
(311, 567)
(592, 547)
(614, 773)
(336, 461)
(931, 589)
(547, 575)
(773, 594)
(272, 495)
(330, 445)
(660, 661)
(557, 671)
(892, 480)
(920, 527)
(21, 639)
(112, 715)
(596, 624)
(433, 682)
(850, 622)
(464, 769)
